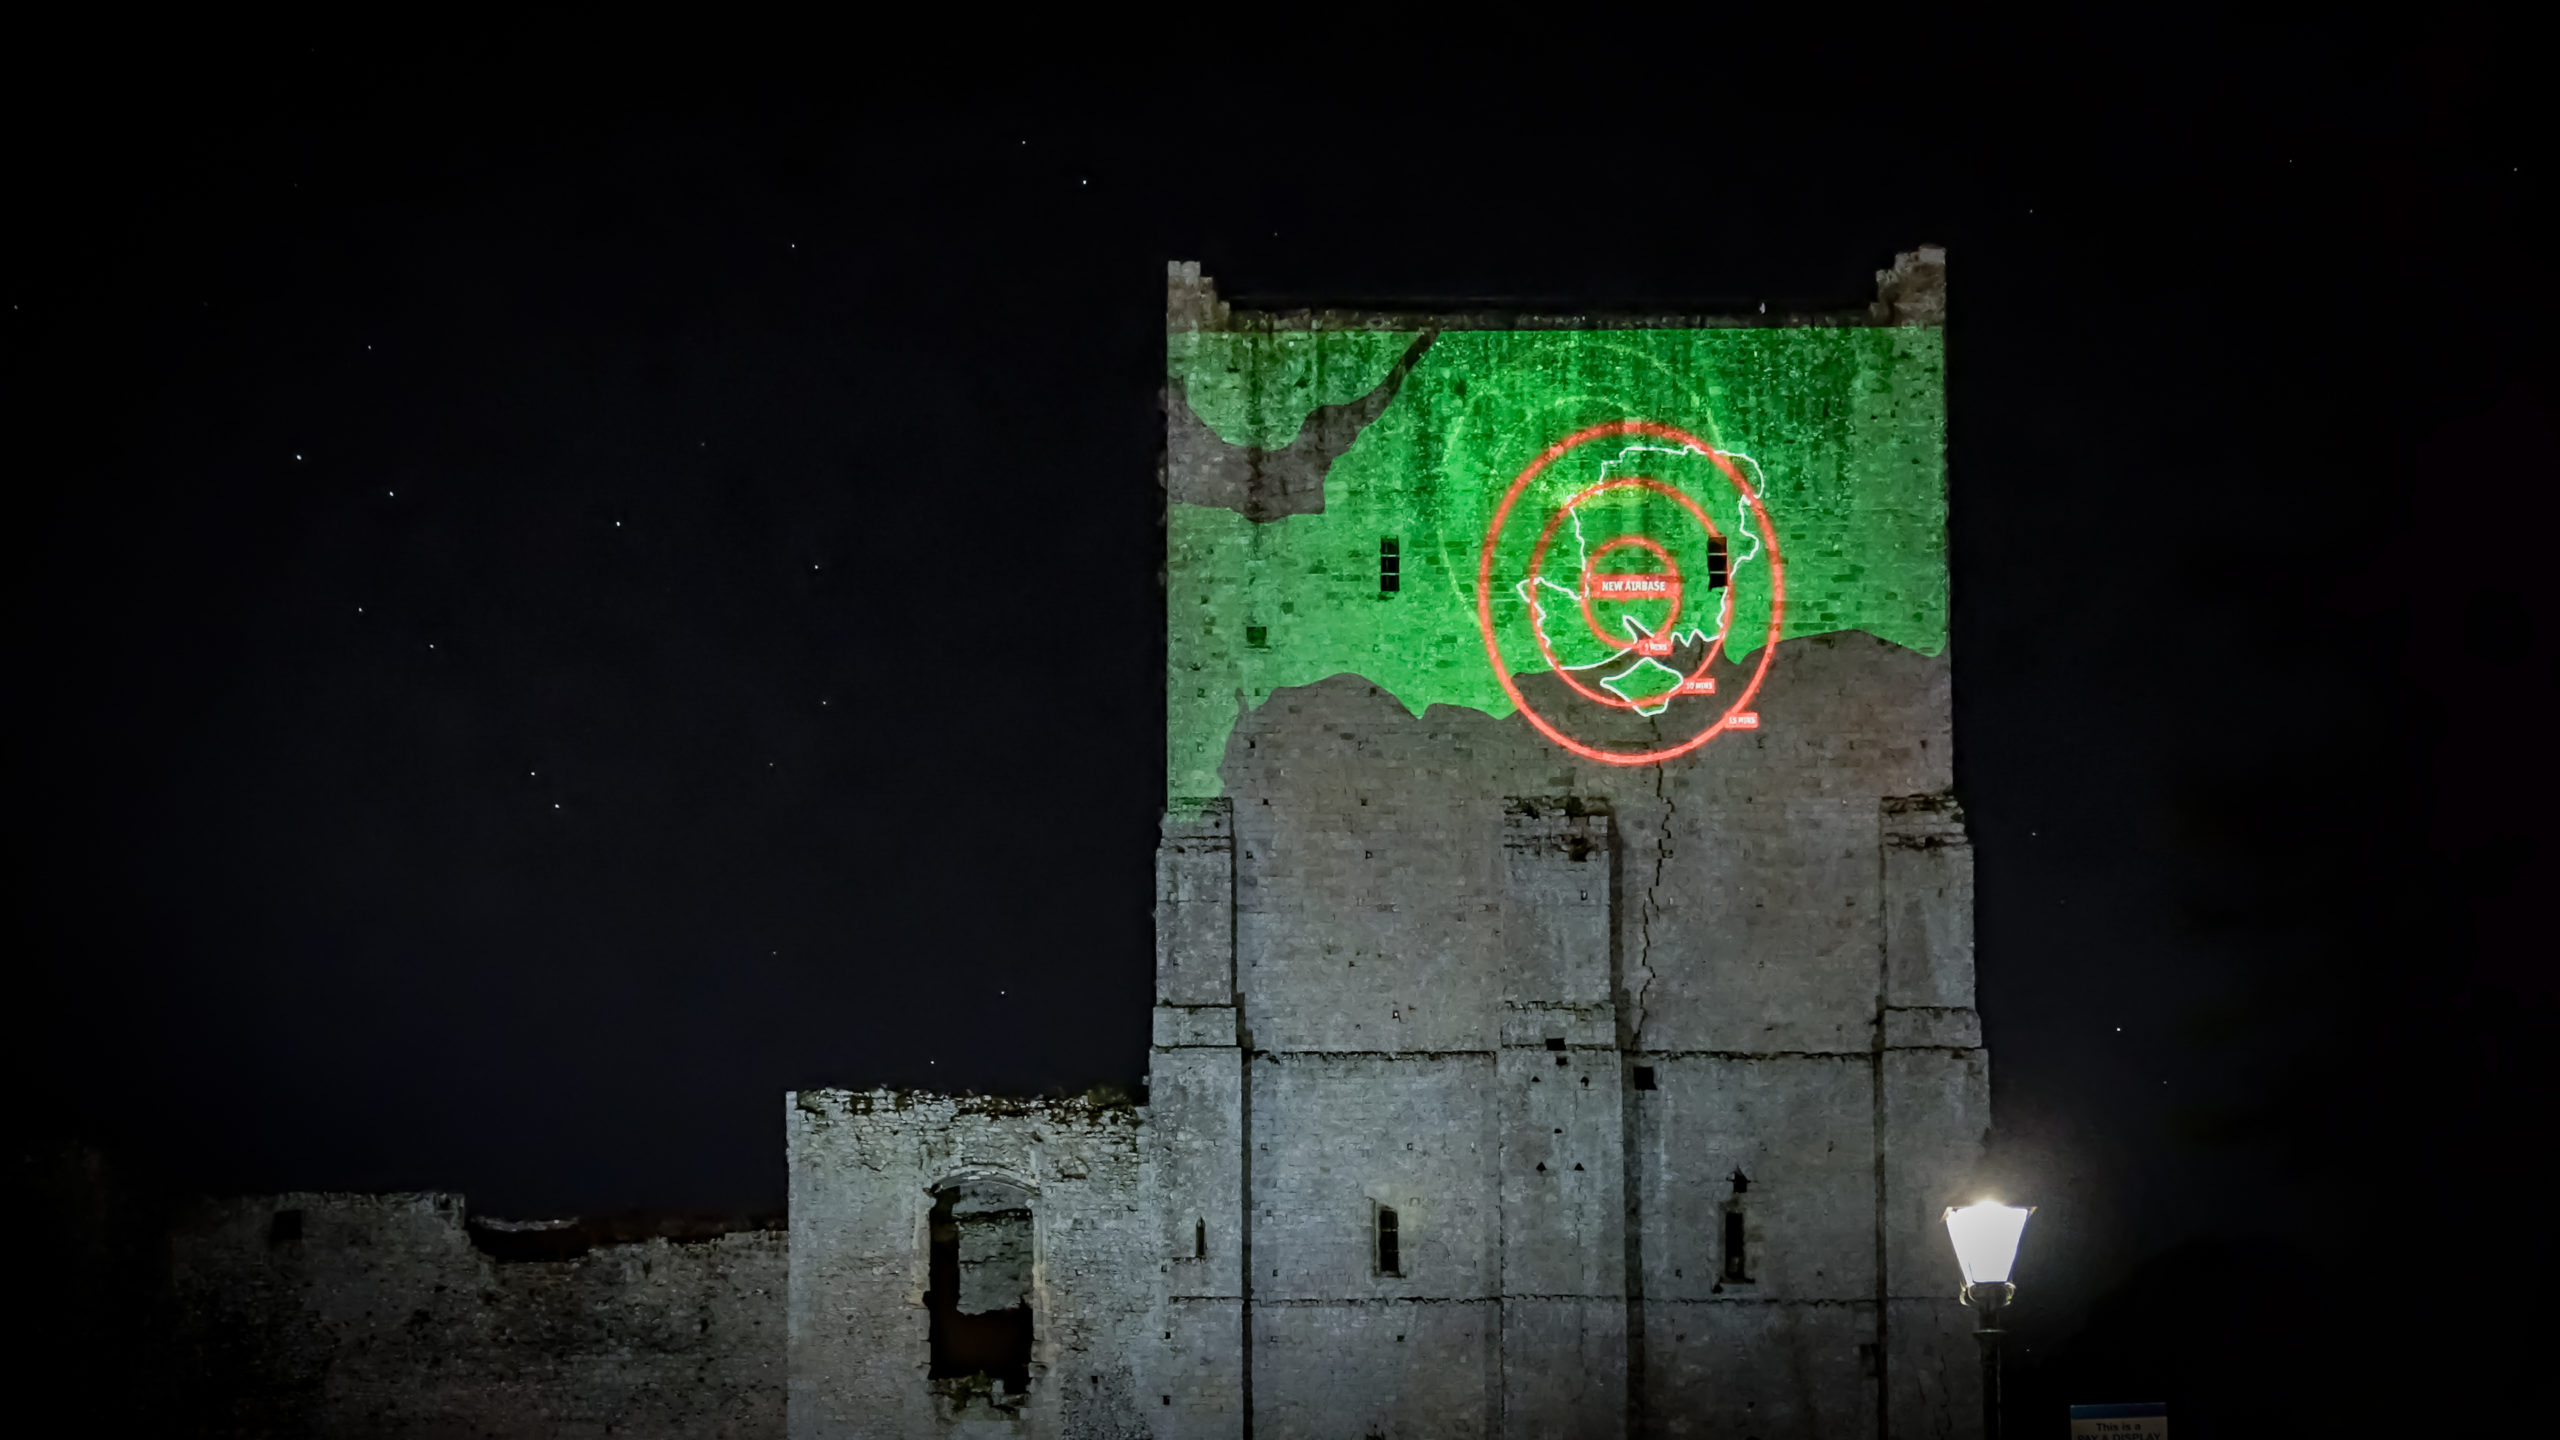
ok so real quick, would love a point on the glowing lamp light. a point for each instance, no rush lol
(1986, 1238)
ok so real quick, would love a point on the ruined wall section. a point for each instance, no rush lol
(865, 1166)
(334, 1314)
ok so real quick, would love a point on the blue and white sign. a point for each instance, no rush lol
(2120, 1422)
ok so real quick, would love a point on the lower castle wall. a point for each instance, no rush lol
(379, 1315)
(376, 1315)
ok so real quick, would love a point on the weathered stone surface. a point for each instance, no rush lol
(366, 1315)
(866, 1170)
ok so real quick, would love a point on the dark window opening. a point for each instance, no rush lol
(1390, 566)
(1564, 1059)
(980, 1300)
(1554, 1044)
(1390, 1256)
(1736, 1263)
(1257, 636)
(1644, 1077)
(284, 1227)
(1719, 566)
(1200, 1239)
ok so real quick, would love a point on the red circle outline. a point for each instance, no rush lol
(1484, 590)
(1538, 565)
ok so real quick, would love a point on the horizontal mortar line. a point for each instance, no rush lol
(1355, 1300)
(1868, 1303)
(1611, 1295)
(1752, 1054)
(1528, 1046)
(1375, 1054)
(1863, 1054)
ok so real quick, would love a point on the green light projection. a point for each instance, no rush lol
(1257, 387)
(1840, 431)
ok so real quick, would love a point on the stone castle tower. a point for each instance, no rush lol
(1564, 984)
(1564, 974)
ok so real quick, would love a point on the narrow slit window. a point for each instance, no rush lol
(1200, 1239)
(1736, 1263)
(1390, 567)
(1390, 1256)
(1719, 565)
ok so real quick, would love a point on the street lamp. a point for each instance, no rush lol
(1986, 1239)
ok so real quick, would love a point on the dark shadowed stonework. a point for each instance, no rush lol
(398, 1315)
(1493, 1092)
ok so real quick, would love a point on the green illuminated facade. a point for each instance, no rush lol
(1840, 430)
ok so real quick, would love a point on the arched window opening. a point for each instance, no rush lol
(1200, 1239)
(980, 1295)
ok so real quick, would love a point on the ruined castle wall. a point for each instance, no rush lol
(864, 1168)
(332, 1314)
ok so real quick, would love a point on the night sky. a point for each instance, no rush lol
(476, 724)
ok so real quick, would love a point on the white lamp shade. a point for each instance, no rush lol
(1986, 1235)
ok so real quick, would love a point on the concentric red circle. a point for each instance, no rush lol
(1590, 568)
(1538, 565)
(1484, 589)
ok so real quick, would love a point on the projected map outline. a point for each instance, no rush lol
(1775, 565)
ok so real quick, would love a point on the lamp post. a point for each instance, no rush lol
(1986, 1240)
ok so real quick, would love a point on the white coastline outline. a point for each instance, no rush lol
(1743, 527)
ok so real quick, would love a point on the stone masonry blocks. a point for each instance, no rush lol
(1800, 1130)
(1195, 905)
(336, 1314)
(865, 1167)
(1335, 1137)
(1399, 1370)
